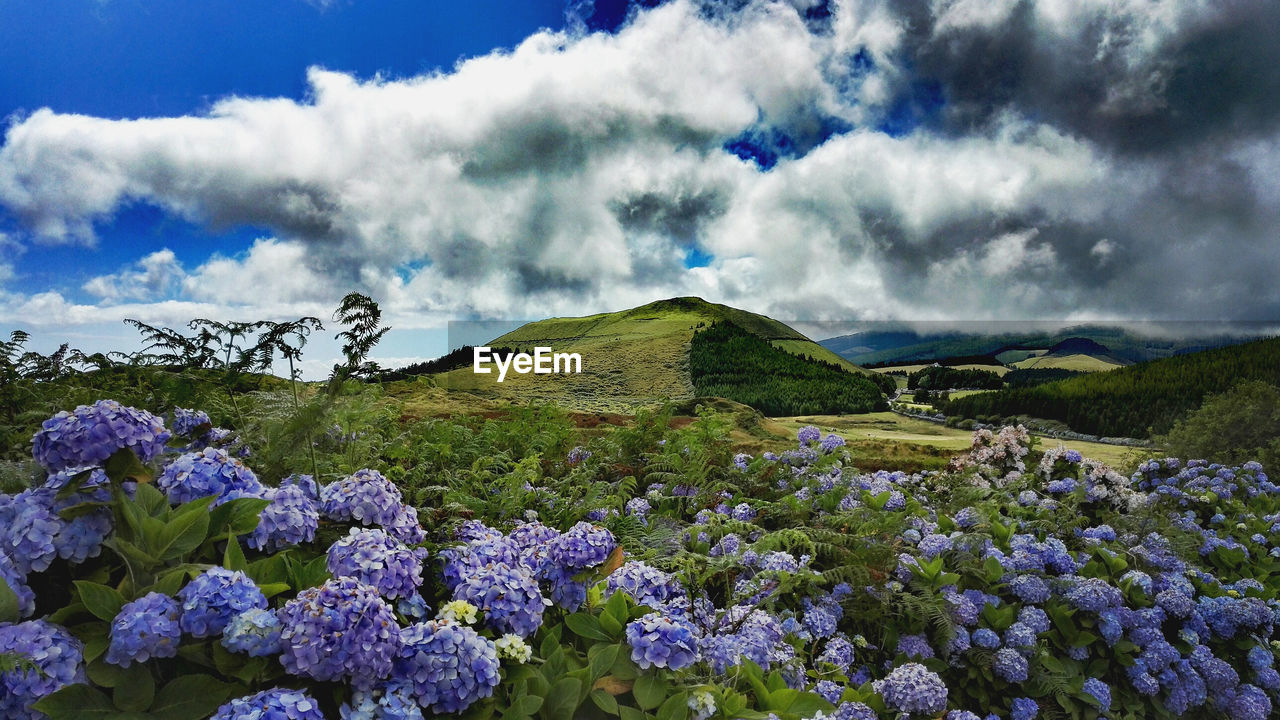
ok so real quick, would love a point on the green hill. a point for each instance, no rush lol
(630, 358)
(1135, 401)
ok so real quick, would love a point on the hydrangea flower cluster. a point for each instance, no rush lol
(291, 519)
(659, 640)
(254, 632)
(341, 630)
(58, 660)
(208, 472)
(394, 702)
(274, 704)
(375, 558)
(448, 666)
(914, 689)
(88, 435)
(143, 629)
(508, 596)
(584, 545)
(647, 586)
(369, 498)
(210, 601)
(189, 424)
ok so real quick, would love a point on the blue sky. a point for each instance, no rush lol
(814, 160)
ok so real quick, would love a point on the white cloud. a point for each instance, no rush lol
(573, 173)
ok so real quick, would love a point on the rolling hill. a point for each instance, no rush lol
(637, 357)
(1135, 401)
(1123, 346)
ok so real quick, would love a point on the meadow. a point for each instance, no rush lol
(182, 542)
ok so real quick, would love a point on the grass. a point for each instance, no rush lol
(630, 359)
(1082, 363)
(997, 369)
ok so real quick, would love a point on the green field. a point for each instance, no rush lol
(1082, 363)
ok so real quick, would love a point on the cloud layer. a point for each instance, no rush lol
(826, 161)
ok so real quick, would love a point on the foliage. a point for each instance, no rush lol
(941, 377)
(1028, 377)
(1238, 425)
(1135, 401)
(727, 361)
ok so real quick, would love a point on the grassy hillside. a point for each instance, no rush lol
(631, 358)
(1134, 401)
(1078, 362)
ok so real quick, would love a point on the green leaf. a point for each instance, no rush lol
(181, 535)
(650, 691)
(190, 697)
(268, 570)
(630, 713)
(72, 512)
(136, 689)
(616, 608)
(124, 465)
(105, 674)
(604, 701)
(807, 704)
(237, 517)
(601, 657)
(76, 702)
(562, 700)
(104, 602)
(152, 501)
(233, 557)
(523, 707)
(9, 608)
(585, 625)
(610, 624)
(676, 707)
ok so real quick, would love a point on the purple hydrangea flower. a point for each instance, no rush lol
(916, 647)
(447, 665)
(1024, 708)
(1010, 666)
(214, 597)
(208, 472)
(913, 688)
(829, 690)
(306, 483)
(508, 596)
(341, 629)
(831, 442)
(584, 545)
(87, 436)
(255, 632)
(189, 424)
(1100, 691)
(28, 527)
(367, 497)
(646, 585)
(291, 518)
(659, 640)
(375, 558)
(838, 651)
(17, 582)
(58, 660)
(808, 434)
(394, 702)
(273, 704)
(579, 454)
(143, 629)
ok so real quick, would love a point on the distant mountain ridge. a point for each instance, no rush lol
(1122, 346)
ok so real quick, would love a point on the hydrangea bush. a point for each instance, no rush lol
(674, 581)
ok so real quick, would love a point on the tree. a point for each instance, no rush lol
(363, 318)
(1233, 427)
(288, 339)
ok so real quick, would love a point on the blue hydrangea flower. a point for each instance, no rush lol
(87, 436)
(1024, 708)
(274, 704)
(214, 597)
(28, 527)
(913, 688)
(306, 483)
(829, 690)
(831, 442)
(986, 638)
(1250, 703)
(208, 472)
(58, 658)
(659, 640)
(583, 546)
(143, 629)
(341, 629)
(17, 582)
(508, 596)
(189, 424)
(1093, 595)
(394, 702)
(916, 647)
(839, 652)
(1010, 666)
(1099, 691)
(808, 434)
(375, 558)
(447, 665)
(290, 519)
(366, 497)
(646, 585)
(1030, 589)
(255, 632)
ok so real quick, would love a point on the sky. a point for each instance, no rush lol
(842, 160)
